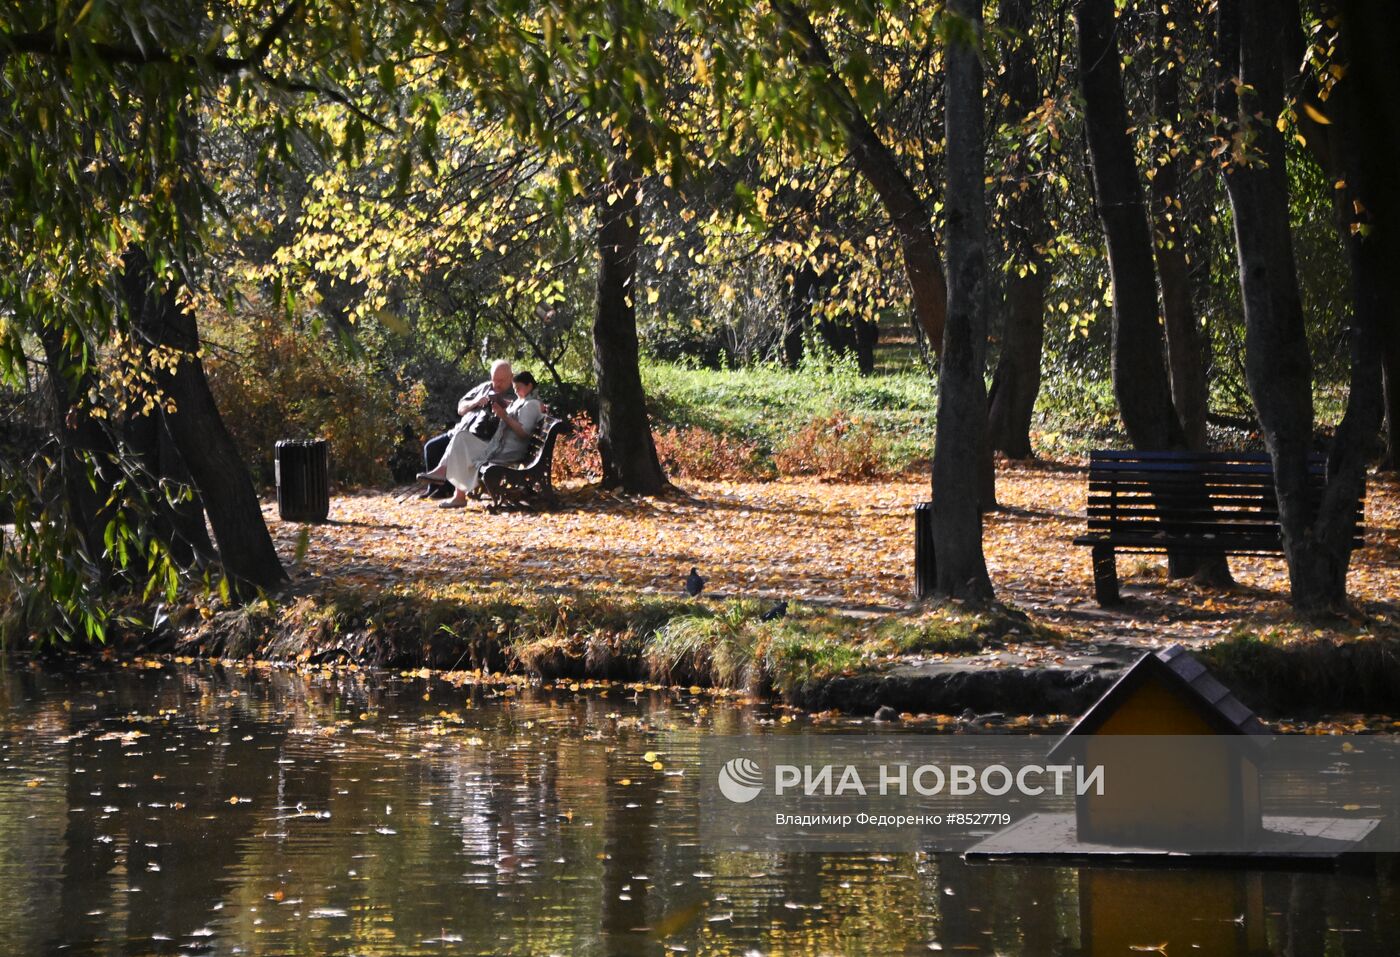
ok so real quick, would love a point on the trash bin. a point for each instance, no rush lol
(925, 568)
(303, 480)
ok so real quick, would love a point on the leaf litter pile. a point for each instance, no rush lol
(840, 546)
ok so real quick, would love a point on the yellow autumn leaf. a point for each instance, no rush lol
(1316, 115)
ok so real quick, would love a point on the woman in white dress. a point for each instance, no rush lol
(466, 454)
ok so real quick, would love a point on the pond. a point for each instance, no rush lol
(176, 808)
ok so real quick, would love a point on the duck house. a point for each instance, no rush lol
(1194, 785)
(1180, 758)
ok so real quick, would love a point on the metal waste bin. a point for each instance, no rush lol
(925, 568)
(303, 480)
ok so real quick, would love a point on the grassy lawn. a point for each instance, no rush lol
(767, 405)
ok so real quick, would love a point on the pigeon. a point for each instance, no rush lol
(886, 713)
(694, 584)
(774, 613)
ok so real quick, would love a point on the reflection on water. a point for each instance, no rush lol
(184, 810)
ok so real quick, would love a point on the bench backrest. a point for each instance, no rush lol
(1224, 498)
(541, 447)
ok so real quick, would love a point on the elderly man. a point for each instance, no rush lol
(475, 412)
(466, 453)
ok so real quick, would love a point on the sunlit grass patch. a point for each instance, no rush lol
(770, 406)
(956, 629)
(729, 644)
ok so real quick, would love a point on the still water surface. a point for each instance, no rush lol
(210, 810)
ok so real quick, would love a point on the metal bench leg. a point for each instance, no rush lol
(1105, 576)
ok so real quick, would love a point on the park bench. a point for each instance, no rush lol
(527, 484)
(1194, 502)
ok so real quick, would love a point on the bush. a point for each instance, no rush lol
(685, 452)
(284, 381)
(697, 453)
(576, 454)
(835, 446)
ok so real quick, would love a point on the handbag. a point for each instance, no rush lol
(483, 424)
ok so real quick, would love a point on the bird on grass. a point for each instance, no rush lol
(694, 584)
(773, 614)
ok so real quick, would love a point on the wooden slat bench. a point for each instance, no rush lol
(529, 483)
(1196, 502)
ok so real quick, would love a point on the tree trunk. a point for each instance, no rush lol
(1371, 140)
(1016, 382)
(801, 293)
(245, 548)
(1186, 344)
(1140, 380)
(624, 429)
(179, 524)
(1277, 362)
(82, 444)
(878, 165)
(1186, 358)
(962, 398)
(1139, 373)
(1390, 461)
(1335, 149)
(867, 337)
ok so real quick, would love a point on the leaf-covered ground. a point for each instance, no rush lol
(836, 545)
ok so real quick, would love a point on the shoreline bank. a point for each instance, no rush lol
(939, 659)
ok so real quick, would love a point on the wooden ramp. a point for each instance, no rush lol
(1285, 839)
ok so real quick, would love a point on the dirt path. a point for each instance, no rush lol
(844, 546)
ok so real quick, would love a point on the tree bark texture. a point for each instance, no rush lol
(179, 524)
(225, 486)
(1390, 461)
(801, 294)
(960, 439)
(624, 428)
(1316, 535)
(1140, 380)
(82, 444)
(1338, 150)
(1139, 371)
(1371, 139)
(1016, 381)
(877, 163)
(852, 334)
(1186, 347)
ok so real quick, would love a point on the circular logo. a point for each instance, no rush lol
(740, 780)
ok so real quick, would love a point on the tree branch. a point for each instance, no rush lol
(46, 42)
(290, 85)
